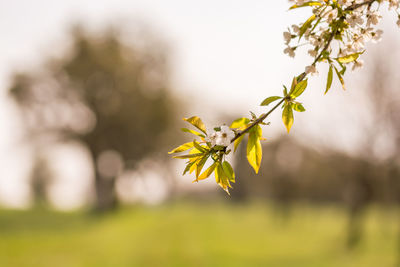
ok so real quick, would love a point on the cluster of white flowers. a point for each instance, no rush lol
(220, 138)
(352, 23)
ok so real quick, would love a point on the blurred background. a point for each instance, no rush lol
(91, 99)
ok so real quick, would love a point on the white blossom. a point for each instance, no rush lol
(290, 51)
(355, 19)
(377, 36)
(220, 138)
(358, 64)
(373, 18)
(311, 70)
(287, 36)
(211, 137)
(224, 136)
(313, 52)
(296, 28)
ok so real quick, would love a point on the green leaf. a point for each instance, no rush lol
(196, 122)
(188, 167)
(254, 151)
(340, 78)
(181, 148)
(269, 100)
(199, 147)
(190, 156)
(239, 123)
(348, 58)
(207, 172)
(228, 171)
(287, 117)
(285, 91)
(293, 86)
(329, 80)
(306, 25)
(311, 3)
(221, 178)
(299, 107)
(299, 88)
(200, 165)
(186, 130)
(237, 142)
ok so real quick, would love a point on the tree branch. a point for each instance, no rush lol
(303, 75)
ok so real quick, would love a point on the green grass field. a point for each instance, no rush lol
(195, 235)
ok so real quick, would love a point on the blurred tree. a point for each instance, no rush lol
(110, 95)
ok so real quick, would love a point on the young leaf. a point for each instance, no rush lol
(200, 165)
(340, 78)
(237, 143)
(311, 3)
(188, 167)
(221, 178)
(190, 156)
(299, 107)
(254, 151)
(269, 100)
(239, 123)
(181, 148)
(348, 58)
(287, 117)
(228, 171)
(306, 25)
(285, 91)
(194, 165)
(186, 130)
(196, 122)
(207, 172)
(299, 88)
(199, 147)
(293, 86)
(329, 80)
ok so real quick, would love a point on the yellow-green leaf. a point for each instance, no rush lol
(237, 142)
(254, 151)
(196, 122)
(311, 3)
(287, 117)
(299, 88)
(207, 172)
(258, 130)
(348, 58)
(181, 148)
(329, 80)
(306, 25)
(293, 86)
(269, 100)
(190, 156)
(199, 147)
(228, 171)
(188, 167)
(340, 78)
(298, 107)
(192, 132)
(200, 165)
(239, 123)
(221, 178)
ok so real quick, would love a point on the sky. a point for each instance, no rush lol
(226, 56)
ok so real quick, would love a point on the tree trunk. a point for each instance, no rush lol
(106, 199)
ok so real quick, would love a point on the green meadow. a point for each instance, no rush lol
(196, 234)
